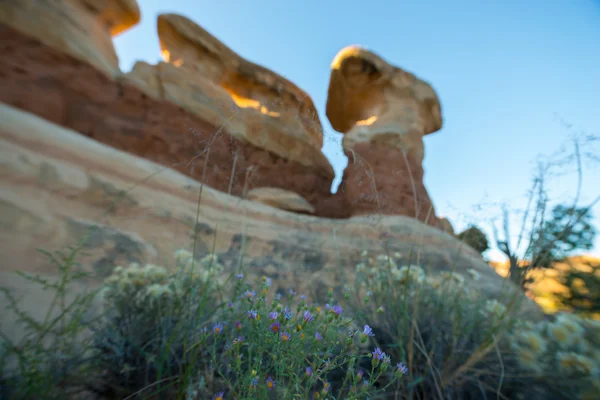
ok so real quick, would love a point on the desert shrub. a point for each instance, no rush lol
(195, 333)
(455, 342)
(474, 237)
(55, 351)
(565, 352)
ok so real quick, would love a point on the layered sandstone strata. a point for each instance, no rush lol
(179, 116)
(57, 186)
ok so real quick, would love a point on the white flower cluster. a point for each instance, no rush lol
(569, 343)
(152, 284)
(206, 269)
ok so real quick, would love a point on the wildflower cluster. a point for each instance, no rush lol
(441, 319)
(281, 343)
(252, 344)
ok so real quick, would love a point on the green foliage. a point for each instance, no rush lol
(52, 352)
(193, 334)
(474, 237)
(198, 333)
(456, 342)
(568, 229)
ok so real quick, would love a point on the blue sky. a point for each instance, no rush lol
(507, 73)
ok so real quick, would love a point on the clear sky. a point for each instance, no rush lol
(507, 73)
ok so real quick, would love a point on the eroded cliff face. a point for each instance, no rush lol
(173, 130)
(220, 119)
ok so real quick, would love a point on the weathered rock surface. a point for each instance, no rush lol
(384, 113)
(81, 28)
(55, 183)
(282, 199)
(446, 225)
(64, 90)
(254, 104)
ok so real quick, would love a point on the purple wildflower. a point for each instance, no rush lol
(275, 327)
(254, 382)
(285, 336)
(270, 383)
(378, 354)
(240, 276)
(287, 314)
(318, 336)
(402, 368)
(368, 331)
(337, 310)
(219, 396)
(308, 371)
(307, 316)
(238, 340)
(252, 314)
(217, 328)
(249, 294)
(273, 315)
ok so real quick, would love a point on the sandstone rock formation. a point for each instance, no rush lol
(55, 184)
(253, 103)
(384, 113)
(206, 148)
(282, 199)
(81, 28)
(70, 92)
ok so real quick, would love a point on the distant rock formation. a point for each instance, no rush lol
(384, 112)
(218, 118)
